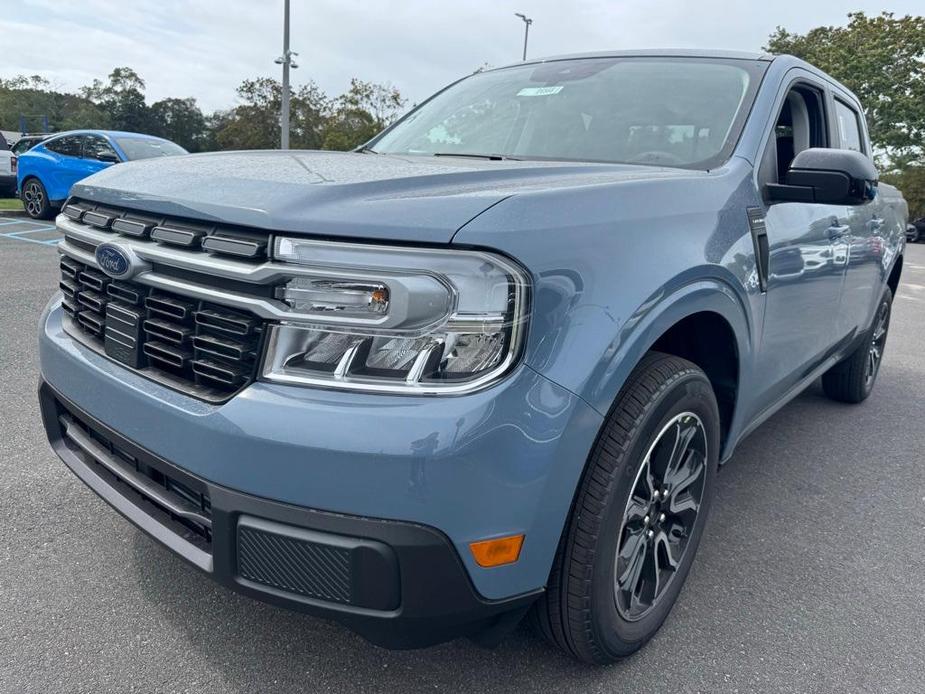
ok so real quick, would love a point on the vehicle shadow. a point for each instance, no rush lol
(248, 645)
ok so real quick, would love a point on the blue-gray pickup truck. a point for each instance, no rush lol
(487, 365)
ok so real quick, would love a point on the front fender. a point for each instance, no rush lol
(652, 320)
(615, 267)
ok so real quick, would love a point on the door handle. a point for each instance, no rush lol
(837, 231)
(876, 224)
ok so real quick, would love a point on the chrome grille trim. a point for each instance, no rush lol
(262, 274)
(74, 212)
(97, 219)
(131, 227)
(230, 246)
(180, 237)
(196, 261)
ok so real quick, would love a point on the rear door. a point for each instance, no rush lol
(864, 244)
(67, 167)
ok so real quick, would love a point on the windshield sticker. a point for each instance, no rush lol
(539, 91)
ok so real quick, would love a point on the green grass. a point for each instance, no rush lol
(10, 204)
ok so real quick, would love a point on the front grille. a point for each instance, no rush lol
(240, 243)
(203, 349)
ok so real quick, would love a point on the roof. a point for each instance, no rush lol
(656, 53)
(109, 133)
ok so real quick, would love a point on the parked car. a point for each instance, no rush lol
(7, 170)
(486, 365)
(27, 142)
(915, 231)
(48, 170)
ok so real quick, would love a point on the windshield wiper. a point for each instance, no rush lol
(365, 150)
(490, 157)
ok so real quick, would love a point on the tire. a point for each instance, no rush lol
(852, 379)
(35, 200)
(585, 611)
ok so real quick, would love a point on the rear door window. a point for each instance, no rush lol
(849, 127)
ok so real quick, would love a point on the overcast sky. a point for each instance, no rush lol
(204, 48)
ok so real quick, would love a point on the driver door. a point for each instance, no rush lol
(807, 243)
(97, 155)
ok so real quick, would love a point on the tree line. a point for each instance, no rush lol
(881, 59)
(317, 121)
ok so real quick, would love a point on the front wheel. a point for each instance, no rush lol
(638, 516)
(35, 200)
(852, 379)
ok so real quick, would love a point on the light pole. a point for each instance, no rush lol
(286, 61)
(527, 23)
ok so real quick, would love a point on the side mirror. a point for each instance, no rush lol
(110, 157)
(829, 177)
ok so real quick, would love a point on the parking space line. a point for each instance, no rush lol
(42, 228)
(31, 227)
(27, 221)
(14, 237)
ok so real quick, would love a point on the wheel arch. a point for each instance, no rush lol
(705, 322)
(895, 274)
(30, 176)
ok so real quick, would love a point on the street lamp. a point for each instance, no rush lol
(527, 23)
(287, 62)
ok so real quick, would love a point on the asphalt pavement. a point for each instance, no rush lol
(810, 578)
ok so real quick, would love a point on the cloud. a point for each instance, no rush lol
(205, 48)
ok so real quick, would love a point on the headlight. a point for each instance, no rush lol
(398, 320)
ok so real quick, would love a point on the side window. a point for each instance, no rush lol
(96, 147)
(799, 126)
(68, 146)
(849, 127)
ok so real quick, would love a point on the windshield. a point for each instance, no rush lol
(146, 148)
(660, 111)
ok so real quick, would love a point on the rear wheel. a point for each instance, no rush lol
(852, 379)
(638, 516)
(35, 200)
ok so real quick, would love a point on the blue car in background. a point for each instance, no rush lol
(47, 171)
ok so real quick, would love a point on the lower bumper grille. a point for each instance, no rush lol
(292, 562)
(202, 349)
(180, 507)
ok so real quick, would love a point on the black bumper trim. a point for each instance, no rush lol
(433, 597)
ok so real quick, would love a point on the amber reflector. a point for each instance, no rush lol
(501, 550)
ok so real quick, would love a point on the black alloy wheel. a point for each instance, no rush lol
(660, 515)
(638, 514)
(852, 379)
(877, 343)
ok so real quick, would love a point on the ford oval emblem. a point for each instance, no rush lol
(114, 260)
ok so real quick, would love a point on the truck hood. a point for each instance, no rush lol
(341, 194)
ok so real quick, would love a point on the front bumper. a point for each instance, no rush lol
(417, 477)
(399, 585)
